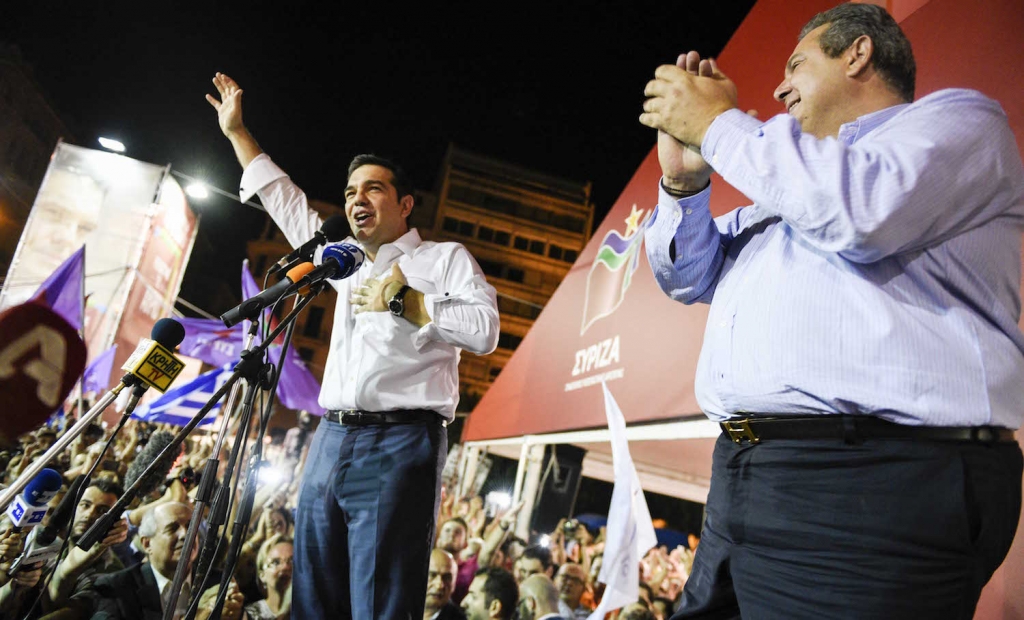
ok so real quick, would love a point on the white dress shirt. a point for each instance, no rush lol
(377, 361)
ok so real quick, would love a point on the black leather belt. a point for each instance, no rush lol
(854, 428)
(356, 417)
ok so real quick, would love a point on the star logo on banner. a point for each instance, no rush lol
(633, 221)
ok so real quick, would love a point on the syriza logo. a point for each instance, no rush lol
(611, 273)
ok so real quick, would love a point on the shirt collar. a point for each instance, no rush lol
(390, 252)
(855, 130)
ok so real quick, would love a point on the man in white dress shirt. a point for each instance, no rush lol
(371, 485)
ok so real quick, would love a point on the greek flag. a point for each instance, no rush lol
(180, 405)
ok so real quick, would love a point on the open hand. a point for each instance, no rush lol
(229, 108)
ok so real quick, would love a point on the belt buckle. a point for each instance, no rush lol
(740, 431)
(354, 418)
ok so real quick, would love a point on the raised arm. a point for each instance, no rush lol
(229, 116)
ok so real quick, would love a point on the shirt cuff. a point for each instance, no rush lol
(724, 132)
(260, 172)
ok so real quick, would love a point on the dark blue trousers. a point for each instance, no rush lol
(883, 529)
(365, 521)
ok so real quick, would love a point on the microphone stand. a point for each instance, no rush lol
(209, 477)
(8, 494)
(244, 512)
(249, 365)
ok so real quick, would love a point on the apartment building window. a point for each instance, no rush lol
(537, 247)
(306, 354)
(502, 238)
(450, 225)
(570, 256)
(521, 243)
(485, 233)
(509, 341)
(515, 275)
(554, 252)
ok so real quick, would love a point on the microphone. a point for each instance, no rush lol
(333, 229)
(43, 542)
(251, 308)
(153, 362)
(29, 508)
(156, 444)
(41, 358)
(337, 261)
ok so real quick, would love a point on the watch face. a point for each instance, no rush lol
(396, 306)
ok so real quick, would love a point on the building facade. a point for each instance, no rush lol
(29, 131)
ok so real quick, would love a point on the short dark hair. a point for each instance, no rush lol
(460, 521)
(538, 552)
(893, 58)
(401, 181)
(107, 486)
(500, 585)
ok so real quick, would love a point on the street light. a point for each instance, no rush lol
(197, 190)
(111, 145)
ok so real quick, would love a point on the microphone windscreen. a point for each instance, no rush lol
(299, 271)
(168, 333)
(157, 442)
(41, 489)
(335, 228)
(349, 257)
(41, 358)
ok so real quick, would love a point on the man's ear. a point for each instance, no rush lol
(145, 540)
(406, 203)
(858, 56)
(494, 610)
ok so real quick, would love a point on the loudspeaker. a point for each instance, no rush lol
(560, 483)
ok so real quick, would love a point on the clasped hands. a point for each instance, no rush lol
(683, 99)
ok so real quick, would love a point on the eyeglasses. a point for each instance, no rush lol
(277, 562)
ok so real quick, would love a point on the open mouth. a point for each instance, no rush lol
(363, 217)
(792, 105)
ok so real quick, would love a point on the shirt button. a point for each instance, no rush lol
(723, 323)
(714, 160)
(689, 211)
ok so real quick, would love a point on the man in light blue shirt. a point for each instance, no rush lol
(862, 350)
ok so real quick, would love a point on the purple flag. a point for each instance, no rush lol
(298, 388)
(62, 291)
(97, 375)
(208, 340)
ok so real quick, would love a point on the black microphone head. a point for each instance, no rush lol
(168, 332)
(156, 444)
(335, 228)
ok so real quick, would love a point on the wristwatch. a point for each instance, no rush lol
(397, 303)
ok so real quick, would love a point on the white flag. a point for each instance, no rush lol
(630, 533)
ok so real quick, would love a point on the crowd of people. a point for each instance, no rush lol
(479, 568)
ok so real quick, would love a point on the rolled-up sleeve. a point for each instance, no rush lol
(464, 311)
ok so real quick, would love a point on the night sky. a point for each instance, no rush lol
(555, 87)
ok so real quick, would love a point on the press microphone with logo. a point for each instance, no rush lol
(29, 507)
(44, 542)
(153, 363)
(251, 308)
(335, 261)
(41, 359)
(333, 229)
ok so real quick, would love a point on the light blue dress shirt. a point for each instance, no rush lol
(878, 273)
